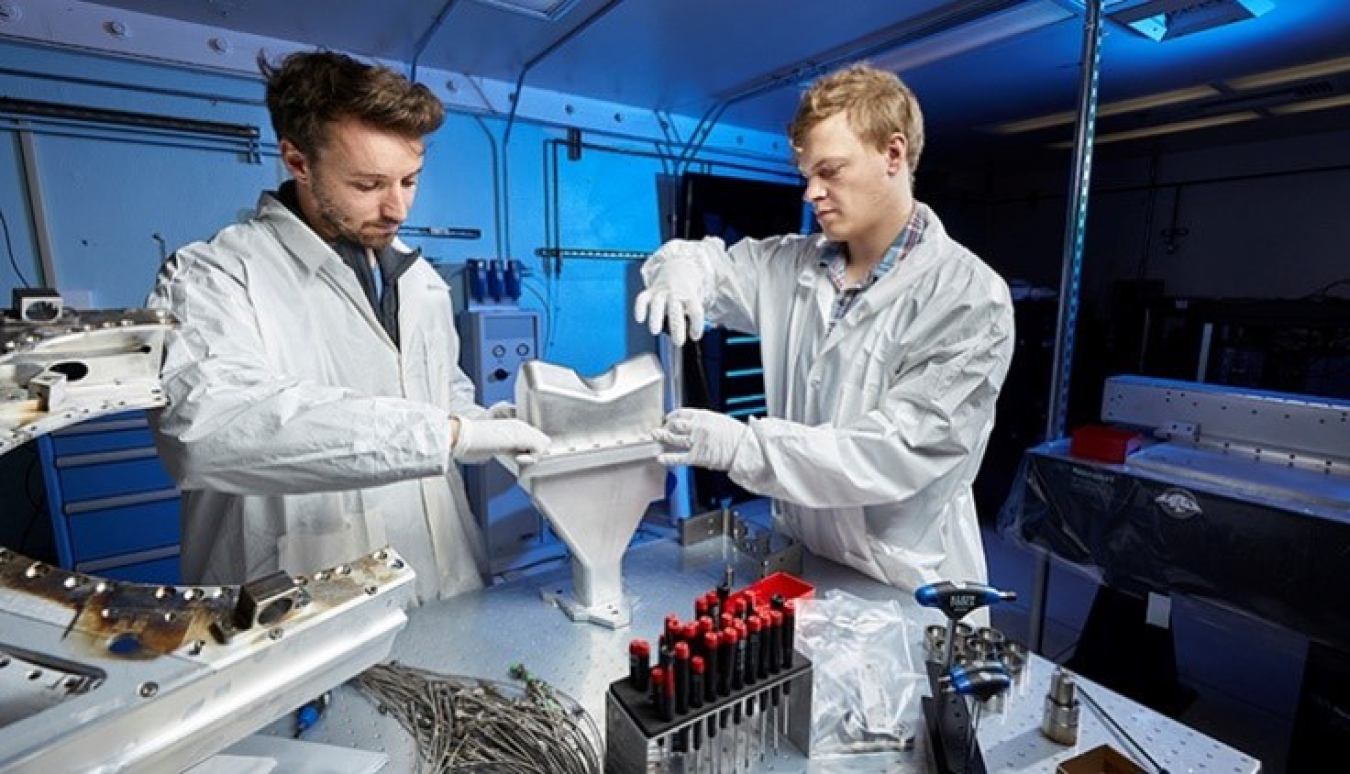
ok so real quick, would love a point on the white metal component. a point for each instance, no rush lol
(599, 475)
(78, 367)
(97, 675)
(153, 678)
(1296, 431)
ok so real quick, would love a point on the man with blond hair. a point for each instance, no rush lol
(884, 344)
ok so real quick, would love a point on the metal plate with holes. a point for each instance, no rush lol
(771, 551)
(1289, 430)
(110, 676)
(80, 366)
(484, 633)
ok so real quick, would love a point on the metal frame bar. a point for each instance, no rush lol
(1071, 275)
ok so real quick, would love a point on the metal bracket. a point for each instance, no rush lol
(771, 551)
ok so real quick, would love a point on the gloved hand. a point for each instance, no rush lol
(673, 294)
(501, 410)
(702, 438)
(480, 440)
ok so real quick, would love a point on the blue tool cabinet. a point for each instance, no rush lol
(114, 509)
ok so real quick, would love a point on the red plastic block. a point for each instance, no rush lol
(790, 586)
(1105, 444)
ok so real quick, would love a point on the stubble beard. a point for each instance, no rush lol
(337, 222)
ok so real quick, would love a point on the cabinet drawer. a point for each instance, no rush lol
(163, 571)
(135, 436)
(104, 532)
(108, 474)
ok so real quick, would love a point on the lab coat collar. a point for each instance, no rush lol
(314, 255)
(299, 239)
(920, 259)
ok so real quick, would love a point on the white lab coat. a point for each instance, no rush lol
(300, 436)
(876, 430)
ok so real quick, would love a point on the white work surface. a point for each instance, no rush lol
(483, 634)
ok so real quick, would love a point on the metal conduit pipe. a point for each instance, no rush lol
(496, 187)
(1070, 276)
(547, 52)
(425, 39)
(942, 20)
(139, 88)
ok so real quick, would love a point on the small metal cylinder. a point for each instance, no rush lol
(992, 639)
(935, 642)
(1060, 723)
(1015, 664)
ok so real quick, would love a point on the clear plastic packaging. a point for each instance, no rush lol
(867, 679)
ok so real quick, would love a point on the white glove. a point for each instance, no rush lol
(702, 438)
(480, 440)
(674, 293)
(502, 410)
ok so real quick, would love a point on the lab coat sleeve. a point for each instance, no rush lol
(463, 394)
(233, 424)
(936, 412)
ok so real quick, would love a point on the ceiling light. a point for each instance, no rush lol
(968, 37)
(1172, 128)
(548, 10)
(1163, 20)
(1147, 102)
(1290, 74)
(1309, 105)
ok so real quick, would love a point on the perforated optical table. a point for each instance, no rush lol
(483, 634)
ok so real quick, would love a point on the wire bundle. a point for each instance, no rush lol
(465, 724)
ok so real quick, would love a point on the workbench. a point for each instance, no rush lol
(1246, 535)
(482, 634)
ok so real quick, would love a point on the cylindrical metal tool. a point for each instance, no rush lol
(681, 658)
(1060, 723)
(639, 663)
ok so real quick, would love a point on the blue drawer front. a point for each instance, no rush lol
(126, 529)
(160, 571)
(108, 440)
(108, 479)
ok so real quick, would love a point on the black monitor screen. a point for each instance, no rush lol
(733, 207)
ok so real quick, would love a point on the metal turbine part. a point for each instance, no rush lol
(97, 675)
(78, 366)
(104, 676)
(599, 475)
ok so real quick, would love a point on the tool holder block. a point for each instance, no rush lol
(633, 725)
(950, 728)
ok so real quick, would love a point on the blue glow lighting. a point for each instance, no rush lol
(1163, 20)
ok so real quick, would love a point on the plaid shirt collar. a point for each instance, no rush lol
(835, 262)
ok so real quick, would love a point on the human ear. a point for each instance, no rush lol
(897, 154)
(296, 162)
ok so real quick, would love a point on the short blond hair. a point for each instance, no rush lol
(877, 103)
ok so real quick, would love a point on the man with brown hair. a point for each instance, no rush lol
(316, 405)
(884, 344)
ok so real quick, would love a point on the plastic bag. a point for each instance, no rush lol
(866, 685)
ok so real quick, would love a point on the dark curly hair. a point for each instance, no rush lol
(310, 91)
